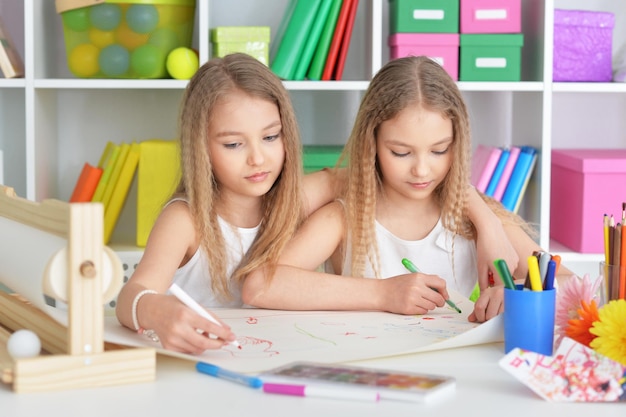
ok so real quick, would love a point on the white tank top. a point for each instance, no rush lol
(194, 278)
(431, 255)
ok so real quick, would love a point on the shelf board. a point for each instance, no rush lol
(589, 87)
(568, 255)
(86, 84)
(12, 83)
(326, 85)
(501, 86)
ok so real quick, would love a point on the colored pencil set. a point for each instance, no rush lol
(615, 255)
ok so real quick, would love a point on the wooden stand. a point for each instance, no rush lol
(78, 358)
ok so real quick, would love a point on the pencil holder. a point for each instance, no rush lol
(613, 285)
(529, 320)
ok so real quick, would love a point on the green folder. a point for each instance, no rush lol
(319, 59)
(294, 39)
(314, 36)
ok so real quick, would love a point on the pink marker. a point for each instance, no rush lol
(343, 393)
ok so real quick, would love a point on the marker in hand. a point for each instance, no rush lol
(412, 268)
(191, 303)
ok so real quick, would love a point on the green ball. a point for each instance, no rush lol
(148, 61)
(77, 19)
(164, 38)
(182, 63)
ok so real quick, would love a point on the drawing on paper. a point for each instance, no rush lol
(270, 338)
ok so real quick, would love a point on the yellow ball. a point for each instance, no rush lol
(83, 60)
(182, 63)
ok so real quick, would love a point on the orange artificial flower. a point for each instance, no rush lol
(578, 329)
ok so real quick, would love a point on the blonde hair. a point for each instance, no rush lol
(399, 84)
(281, 212)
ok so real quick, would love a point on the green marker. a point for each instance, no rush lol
(412, 268)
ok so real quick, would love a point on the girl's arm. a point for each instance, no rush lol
(492, 242)
(171, 243)
(322, 187)
(298, 285)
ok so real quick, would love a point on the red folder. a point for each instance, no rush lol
(340, 29)
(345, 41)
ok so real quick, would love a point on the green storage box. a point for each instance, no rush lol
(491, 57)
(317, 157)
(251, 40)
(423, 16)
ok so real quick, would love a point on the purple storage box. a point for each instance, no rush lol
(583, 42)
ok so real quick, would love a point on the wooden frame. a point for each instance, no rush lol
(78, 358)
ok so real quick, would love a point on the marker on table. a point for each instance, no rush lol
(192, 304)
(412, 268)
(341, 393)
(216, 371)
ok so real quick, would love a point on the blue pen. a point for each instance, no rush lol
(548, 283)
(216, 371)
(412, 268)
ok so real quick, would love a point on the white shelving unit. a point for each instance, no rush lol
(52, 122)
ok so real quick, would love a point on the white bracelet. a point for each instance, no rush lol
(134, 307)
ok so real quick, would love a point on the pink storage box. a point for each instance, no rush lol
(491, 16)
(586, 184)
(441, 47)
(583, 45)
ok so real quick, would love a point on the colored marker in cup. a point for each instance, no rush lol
(412, 268)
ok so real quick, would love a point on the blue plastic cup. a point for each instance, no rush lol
(529, 320)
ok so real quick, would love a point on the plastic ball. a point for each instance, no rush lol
(142, 18)
(105, 16)
(77, 19)
(130, 40)
(164, 38)
(83, 60)
(114, 60)
(24, 344)
(101, 38)
(148, 61)
(182, 63)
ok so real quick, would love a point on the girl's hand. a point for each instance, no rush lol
(489, 304)
(181, 329)
(413, 293)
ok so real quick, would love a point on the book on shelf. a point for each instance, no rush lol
(107, 163)
(115, 174)
(294, 39)
(308, 51)
(319, 58)
(345, 42)
(484, 162)
(497, 173)
(335, 44)
(282, 27)
(120, 190)
(86, 184)
(506, 173)
(11, 63)
(158, 175)
(520, 177)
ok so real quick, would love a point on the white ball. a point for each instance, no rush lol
(24, 344)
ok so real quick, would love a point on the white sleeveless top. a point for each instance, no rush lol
(194, 278)
(431, 255)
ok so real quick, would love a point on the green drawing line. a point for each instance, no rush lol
(299, 329)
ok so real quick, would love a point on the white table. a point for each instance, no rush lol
(483, 389)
